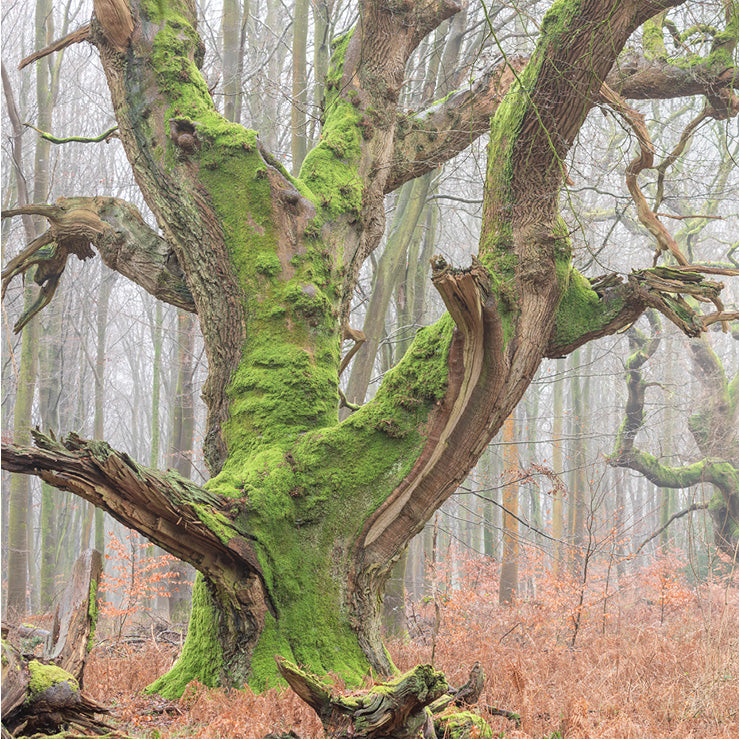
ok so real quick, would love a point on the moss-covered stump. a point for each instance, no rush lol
(419, 703)
(45, 695)
(51, 698)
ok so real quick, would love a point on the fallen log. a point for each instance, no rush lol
(419, 703)
(41, 697)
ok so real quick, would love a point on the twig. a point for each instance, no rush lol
(673, 517)
(510, 715)
(683, 218)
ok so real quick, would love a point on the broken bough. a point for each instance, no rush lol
(419, 703)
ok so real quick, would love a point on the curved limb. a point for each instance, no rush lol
(116, 229)
(720, 472)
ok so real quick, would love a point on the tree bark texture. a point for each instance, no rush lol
(304, 517)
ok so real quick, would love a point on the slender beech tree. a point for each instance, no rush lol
(297, 530)
(509, 556)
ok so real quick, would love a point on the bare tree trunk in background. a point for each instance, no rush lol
(234, 23)
(50, 383)
(20, 485)
(558, 529)
(322, 27)
(19, 510)
(509, 560)
(580, 399)
(156, 383)
(96, 515)
(180, 451)
(667, 495)
(298, 110)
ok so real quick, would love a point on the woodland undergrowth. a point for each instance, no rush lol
(653, 656)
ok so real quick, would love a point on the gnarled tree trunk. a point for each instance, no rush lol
(300, 525)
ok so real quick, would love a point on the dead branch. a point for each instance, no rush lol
(673, 517)
(358, 338)
(124, 241)
(116, 21)
(720, 316)
(419, 703)
(76, 37)
(160, 505)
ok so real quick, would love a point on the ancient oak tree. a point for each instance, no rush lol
(296, 532)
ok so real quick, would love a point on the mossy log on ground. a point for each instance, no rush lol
(419, 703)
(45, 698)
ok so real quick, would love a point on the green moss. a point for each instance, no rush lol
(330, 169)
(267, 264)
(45, 676)
(202, 657)
(462, 725)
(653, 42)
(92, 612)
(216, 522)
(324, 486)
(719, 58)
(580, 310)
(290, 463)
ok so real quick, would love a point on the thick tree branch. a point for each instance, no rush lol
(166, 508)
(428, 138)
(590, 310)
(637, 78)
(124, 241)
(76, 37)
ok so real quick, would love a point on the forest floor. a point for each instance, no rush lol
(660, 661)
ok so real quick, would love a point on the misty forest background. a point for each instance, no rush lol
(544, 520)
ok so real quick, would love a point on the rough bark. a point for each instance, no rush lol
(45, 694)
(75, 618)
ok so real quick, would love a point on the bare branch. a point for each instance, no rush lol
(124, 241)
(76, 37)
(673, 517)
(645, 160)
(426, 139)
